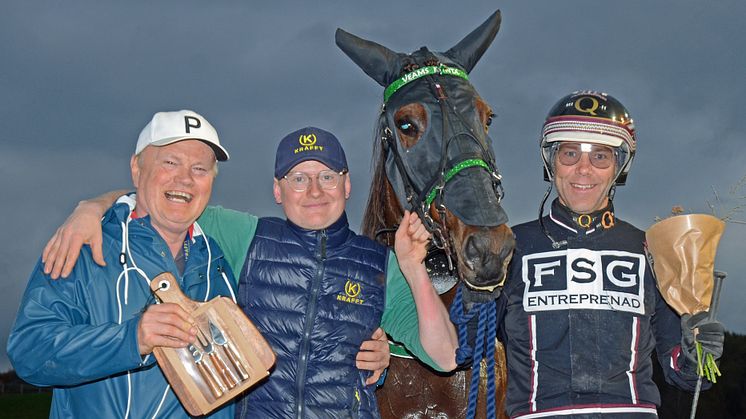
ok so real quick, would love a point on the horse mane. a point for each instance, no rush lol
(381, 199)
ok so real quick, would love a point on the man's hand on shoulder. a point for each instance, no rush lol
(83, 226)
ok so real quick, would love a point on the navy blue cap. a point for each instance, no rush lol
(309, 143)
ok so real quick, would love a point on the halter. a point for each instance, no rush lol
(420, 200)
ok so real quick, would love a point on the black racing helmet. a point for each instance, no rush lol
(589, 117)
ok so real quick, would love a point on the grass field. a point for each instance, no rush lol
(25, 406)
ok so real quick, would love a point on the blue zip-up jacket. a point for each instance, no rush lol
(582, 320)
(316, 295)
(70, 334)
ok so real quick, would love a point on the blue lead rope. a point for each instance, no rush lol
(484, 348)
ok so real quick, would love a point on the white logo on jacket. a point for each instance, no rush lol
(584, 279)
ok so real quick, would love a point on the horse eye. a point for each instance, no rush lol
(489, 119)
(407, 128)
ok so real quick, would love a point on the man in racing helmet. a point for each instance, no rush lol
(593, 123)
(591, 118)
(582, 312)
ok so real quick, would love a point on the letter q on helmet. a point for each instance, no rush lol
(589, 117)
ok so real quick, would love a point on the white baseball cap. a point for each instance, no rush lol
(169, 127)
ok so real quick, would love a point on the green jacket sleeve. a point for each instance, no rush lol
(233, 230)
(400, 313)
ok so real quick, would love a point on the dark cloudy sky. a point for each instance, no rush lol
(79, 79)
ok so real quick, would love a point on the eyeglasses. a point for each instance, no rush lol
(601, 156)
(328, 179)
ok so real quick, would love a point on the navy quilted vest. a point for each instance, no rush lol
(315, 296)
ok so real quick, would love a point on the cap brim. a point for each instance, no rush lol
(220, 153)
(280, 172)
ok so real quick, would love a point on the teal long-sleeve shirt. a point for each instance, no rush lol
(234, 231)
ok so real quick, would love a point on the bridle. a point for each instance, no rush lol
(420, 200)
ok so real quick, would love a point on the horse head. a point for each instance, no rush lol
(435, 155)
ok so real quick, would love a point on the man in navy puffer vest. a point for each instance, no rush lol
(317, 290)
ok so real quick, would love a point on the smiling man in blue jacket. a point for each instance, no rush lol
(92, 336)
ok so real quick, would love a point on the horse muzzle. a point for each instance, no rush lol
(484, 256)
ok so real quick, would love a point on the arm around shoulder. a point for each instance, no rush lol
(81, 227)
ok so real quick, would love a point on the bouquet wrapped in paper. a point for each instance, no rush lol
(683, 252)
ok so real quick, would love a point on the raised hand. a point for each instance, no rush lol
(411, 241)
(436, 331)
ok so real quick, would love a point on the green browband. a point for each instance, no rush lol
(442, 70)
(451, 173)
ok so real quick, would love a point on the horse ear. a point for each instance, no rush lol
(470, 49)
(377, 61)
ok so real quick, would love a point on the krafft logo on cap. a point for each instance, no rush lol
(307, 140)
(307, 143)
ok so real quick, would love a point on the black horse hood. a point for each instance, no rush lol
(454, 136)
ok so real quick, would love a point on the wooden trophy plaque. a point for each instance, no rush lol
(228, 357)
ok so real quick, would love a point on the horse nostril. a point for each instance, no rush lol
(472, 252)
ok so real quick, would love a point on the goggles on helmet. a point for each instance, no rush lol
(600, 156)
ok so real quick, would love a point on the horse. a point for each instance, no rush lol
(432, 154)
